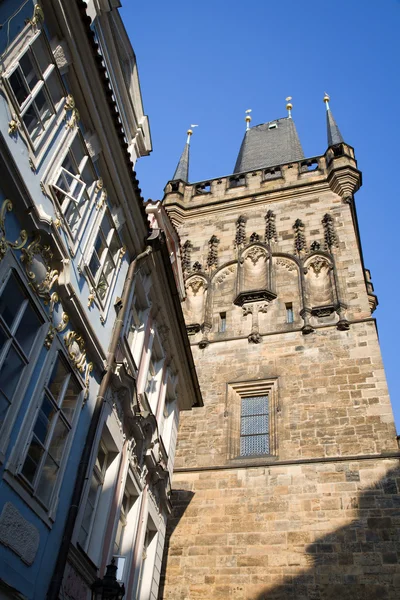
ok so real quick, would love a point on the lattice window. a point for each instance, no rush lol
(254, 426)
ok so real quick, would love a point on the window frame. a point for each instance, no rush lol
(18, 48)
(236, 391)
(140, 303)
(9, 265)
(91, 193)
(17, 458)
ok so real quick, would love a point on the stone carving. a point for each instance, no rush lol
(212, 258)
(4, 243)
(315, 246)
(254, 336)
(18, 534)
(195, 284)
(270, 227)
(102, 200)
(255, 253)
(318, 263)
(254, 237)
(329, 232)
(299, 237)
(288, 264)
(61, 55)
(70, 107)
(93, 145)
(224, 274)
(186, 256)
(197, 267)
(36, 260)
(240, 236)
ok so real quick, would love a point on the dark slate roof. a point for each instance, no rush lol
(334, 135)
(265, 146)
(182, 170)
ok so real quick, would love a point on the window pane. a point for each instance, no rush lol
(102, 287)
(89, 510)
(88, 175)
(11, 300)
(78, 150)
(3, 339)
(106, 225)
(43, 421)
(4, 406)
(70, 399)
(115, 248)
(54, 86)
(18, 86)
(32, 122)
(32, 460)
(254, 444)
(94, 264)
(27, 329)
(255, 405)
(108, 267)
(58, 440)
(47, 479)
(101, 460)
(57, 379)
(43, 107)
(99, 245)
(10, 373)
(41, 53)
(252, 425)
(28, 70)
(72, 216)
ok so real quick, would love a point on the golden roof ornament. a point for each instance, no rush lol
(248, 118)
(326, 100)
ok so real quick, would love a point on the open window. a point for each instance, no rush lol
(73, 184)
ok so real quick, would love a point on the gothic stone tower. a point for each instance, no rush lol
(287, 480)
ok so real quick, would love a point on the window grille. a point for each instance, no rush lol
(254, 426)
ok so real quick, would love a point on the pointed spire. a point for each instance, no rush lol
(289, 106)
(334, 135)
(182, 170)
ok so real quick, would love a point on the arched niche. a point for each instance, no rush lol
(287, 279)
(319, 286)
(195, 303)
(255, 276)
(223, 289)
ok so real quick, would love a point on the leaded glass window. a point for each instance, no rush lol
(254, 426)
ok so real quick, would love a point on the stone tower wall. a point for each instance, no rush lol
(318, 512)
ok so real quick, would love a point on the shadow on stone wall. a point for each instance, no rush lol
(357, 562)
(180, 501)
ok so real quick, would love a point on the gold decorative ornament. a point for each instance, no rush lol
(99, 185)
(49, 337)
(63, 323)
(37, 17)
(76, 349)
(91, 298)
(69, 106)
(103, 198)
(36, 260)
(13, 125)
(4, 243)
(89, 369)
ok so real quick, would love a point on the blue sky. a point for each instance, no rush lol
(207, 62)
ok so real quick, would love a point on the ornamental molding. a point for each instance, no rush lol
(196, 284)
(71, 113)
(255, 253)
(36, 259)
(224, 273)
(4, 243)
(13, 125)
(75, 345)
(37, 18)
(287, 264)
(318, 264)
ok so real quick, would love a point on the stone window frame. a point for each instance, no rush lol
(235, 391)
(10, 61)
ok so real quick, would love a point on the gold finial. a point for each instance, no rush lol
(289, 106)
(248, 118)
(326, 100)
(190, 132)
